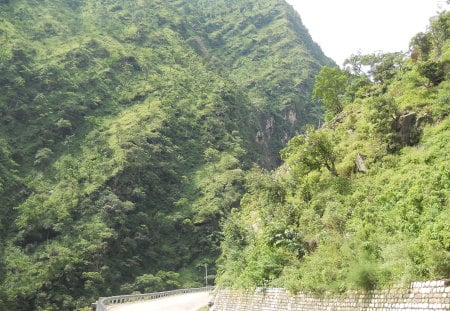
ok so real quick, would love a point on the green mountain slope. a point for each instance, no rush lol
(265, 47)
(362, 202)
(126, 129)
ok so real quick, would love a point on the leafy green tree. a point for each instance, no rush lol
(312, 151)
(42, 156)
(149, 283)
(433, 71)
(379, 67)
(440, 31)
(421, 46)
(383, 113)
(330, 87)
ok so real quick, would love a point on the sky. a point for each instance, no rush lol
(346, 27)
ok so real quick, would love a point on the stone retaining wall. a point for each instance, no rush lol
(432, 295)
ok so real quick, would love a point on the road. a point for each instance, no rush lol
(182, 302)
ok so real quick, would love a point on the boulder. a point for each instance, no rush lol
(361, 164)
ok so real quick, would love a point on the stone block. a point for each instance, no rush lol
(425, 290)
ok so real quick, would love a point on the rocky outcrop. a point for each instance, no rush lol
(361, 164)
(407, 129)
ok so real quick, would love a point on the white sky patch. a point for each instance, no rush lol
(346, 27)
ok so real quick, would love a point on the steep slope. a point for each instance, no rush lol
(126, 129)
(267, 51)
(362, 202)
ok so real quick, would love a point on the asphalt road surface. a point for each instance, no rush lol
(182, 302)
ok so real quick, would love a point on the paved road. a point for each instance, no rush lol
(183, 302)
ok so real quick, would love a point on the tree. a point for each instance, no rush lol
(379, 67)
(312, 151)
(330, 87)
(42, 156)
(148, 283)
(433, 71)
(440, 31)
(421, 46)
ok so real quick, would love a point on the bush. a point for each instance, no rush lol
(363, 275)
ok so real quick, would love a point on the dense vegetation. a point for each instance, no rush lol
(364, 200)
(126, 129)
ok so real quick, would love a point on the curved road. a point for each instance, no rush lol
(182, 302)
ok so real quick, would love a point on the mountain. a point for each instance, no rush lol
(363, 201)
(126, 130)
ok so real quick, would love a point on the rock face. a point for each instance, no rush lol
(407, 129)
(361, 164)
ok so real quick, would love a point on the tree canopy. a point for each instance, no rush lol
(330, 87)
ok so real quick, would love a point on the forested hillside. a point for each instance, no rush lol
(363, 201)
(126, 130)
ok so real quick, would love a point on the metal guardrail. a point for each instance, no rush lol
(103, 302)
